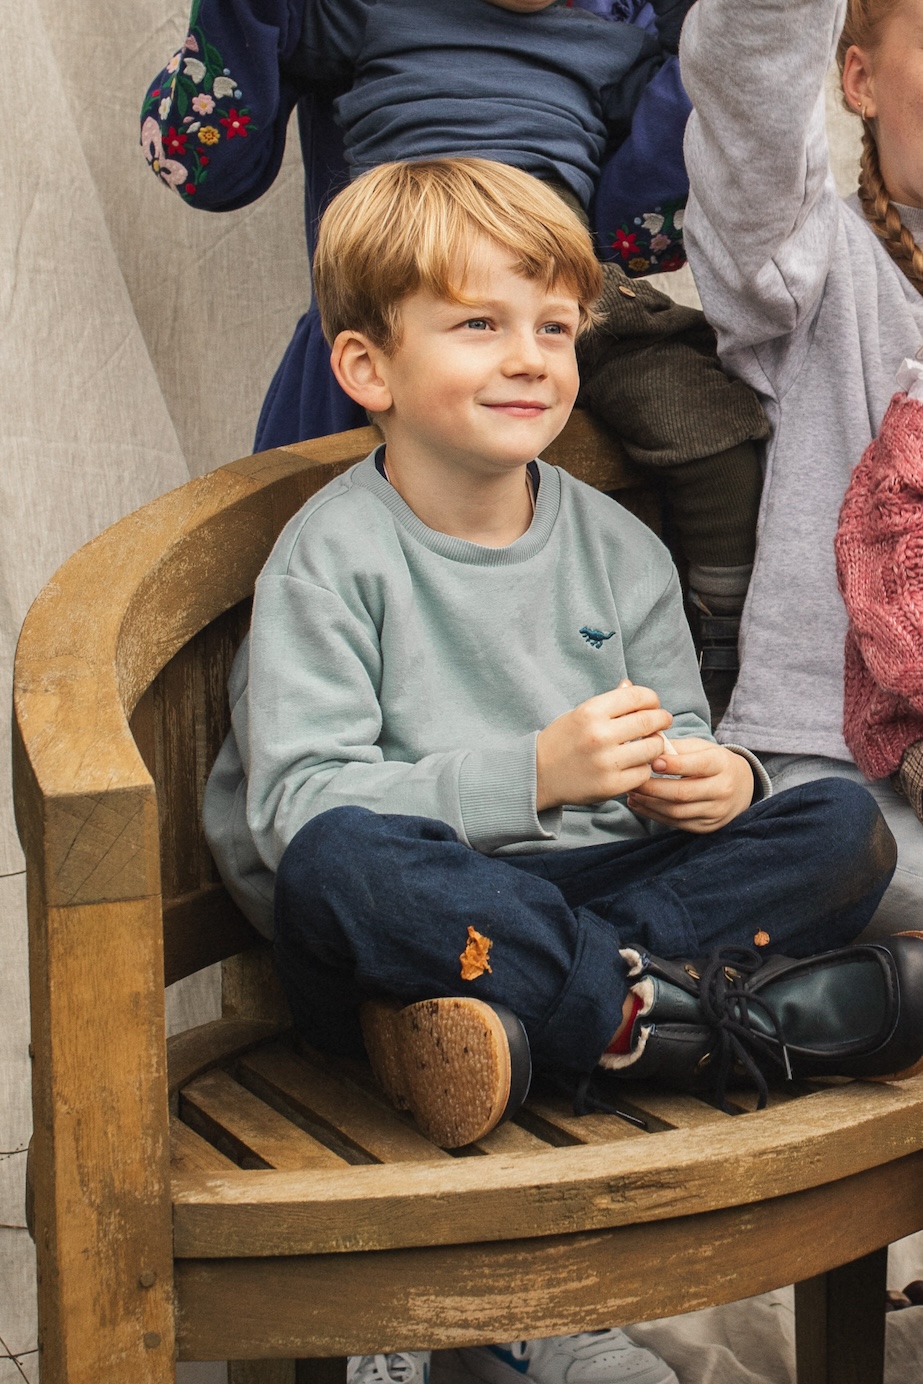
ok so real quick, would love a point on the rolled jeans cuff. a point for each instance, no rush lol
(588, 1011)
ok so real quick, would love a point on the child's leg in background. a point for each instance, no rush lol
(373, 905)
(650, 371)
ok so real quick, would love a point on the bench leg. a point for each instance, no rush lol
(261, 1372)
(332, 1371)
(840, 1323)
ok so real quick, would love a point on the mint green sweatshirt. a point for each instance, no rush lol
(396, 668)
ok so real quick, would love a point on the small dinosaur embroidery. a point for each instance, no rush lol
(595, 637)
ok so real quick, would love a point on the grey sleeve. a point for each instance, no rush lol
(763, 213)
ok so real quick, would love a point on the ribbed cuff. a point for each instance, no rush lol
(496, 789)
(762, 787)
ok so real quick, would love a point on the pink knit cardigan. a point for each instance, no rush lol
(879, 554)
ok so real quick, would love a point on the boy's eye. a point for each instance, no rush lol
(555, 329)
(478, 324)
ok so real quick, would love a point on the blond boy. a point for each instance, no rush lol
(448, 782)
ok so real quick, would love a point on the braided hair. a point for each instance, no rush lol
(864, 19)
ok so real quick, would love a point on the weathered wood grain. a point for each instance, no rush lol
(201, 928)
(195, 1051)
(771, 1154)
(100, 1156)
(189, 1152)
(474, 1294)
(335, 1109)
(226, 1113)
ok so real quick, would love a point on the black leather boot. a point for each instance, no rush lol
(856, 1011)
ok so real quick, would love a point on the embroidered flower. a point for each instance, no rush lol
(625, 242)
(653, 244)
(151, 142)
(235, 123)
(678, 218)
(174, 142)
(173, 173)
(198, 88)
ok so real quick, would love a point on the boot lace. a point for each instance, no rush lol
(726, 1001)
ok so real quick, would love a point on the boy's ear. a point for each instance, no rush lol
(356, 362)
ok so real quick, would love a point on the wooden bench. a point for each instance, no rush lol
(299, 1218)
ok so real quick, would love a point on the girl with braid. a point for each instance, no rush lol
(817, 302)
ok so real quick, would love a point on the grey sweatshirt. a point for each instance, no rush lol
(396, 668)
(810, 311)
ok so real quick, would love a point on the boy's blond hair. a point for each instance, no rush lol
(403, 227)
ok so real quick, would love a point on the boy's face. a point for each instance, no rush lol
(488, 383)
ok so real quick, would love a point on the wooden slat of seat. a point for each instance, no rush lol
(778, 1152)
(510, 1138)
(189, 1153)
(334, 1105)
(198, 1049)
(553, 1115)
(747, 1099)
(506, 1138)
(676, 1109)
(220, 1108)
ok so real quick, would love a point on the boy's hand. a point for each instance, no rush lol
(601, 749)
(715, 785)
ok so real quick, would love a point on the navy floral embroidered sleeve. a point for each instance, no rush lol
(213, 121)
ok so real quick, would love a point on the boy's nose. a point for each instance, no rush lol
(524, 355)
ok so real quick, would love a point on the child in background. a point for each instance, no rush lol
(816, 301)
(555, 89)
(879, 552)
(448, 794)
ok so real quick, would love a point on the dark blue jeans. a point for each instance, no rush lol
(370, 905)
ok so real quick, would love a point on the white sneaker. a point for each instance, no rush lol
(592, 1357)
(400, 1367)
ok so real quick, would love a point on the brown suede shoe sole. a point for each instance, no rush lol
(448, 1062)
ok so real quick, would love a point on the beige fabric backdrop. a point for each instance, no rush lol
(138, 338)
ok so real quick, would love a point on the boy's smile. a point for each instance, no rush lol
(483, 385)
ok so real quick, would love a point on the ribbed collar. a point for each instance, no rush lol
(547, 504)
(912, 218)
